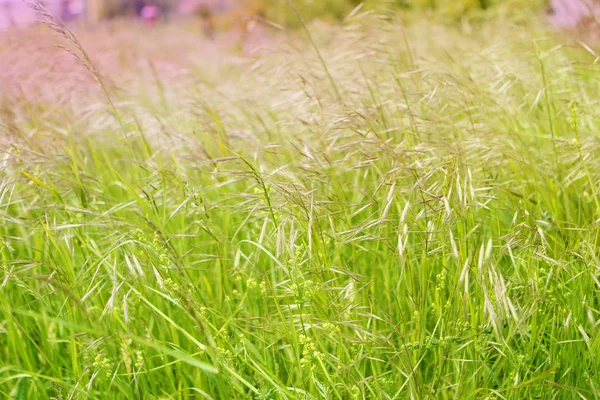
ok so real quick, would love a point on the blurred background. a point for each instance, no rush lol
(138, 40)
(562, 13)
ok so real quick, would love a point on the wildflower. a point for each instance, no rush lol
(202, 311)
(251, 283)
(170, 286)
(263, 287)
(435, 309)
(441, 281)
(333, 330)
(573, 120)
(444, 343)
(138, 234)
(139, 359)
(412, 346)
(101, 362)
(299, 250)
(310, 355)
(294, 290)
(447, 306)
(225, 355)
(355, 392)
(309, 289)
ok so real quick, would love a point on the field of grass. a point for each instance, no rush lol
(410, 212)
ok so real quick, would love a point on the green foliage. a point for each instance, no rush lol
(427, 228)
(282, 11)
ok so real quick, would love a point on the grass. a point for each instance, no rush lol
(421, 221)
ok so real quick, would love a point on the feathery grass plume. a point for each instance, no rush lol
(57, 25)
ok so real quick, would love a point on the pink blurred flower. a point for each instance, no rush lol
(150, 13)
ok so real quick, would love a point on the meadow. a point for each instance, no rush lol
(378, 209)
